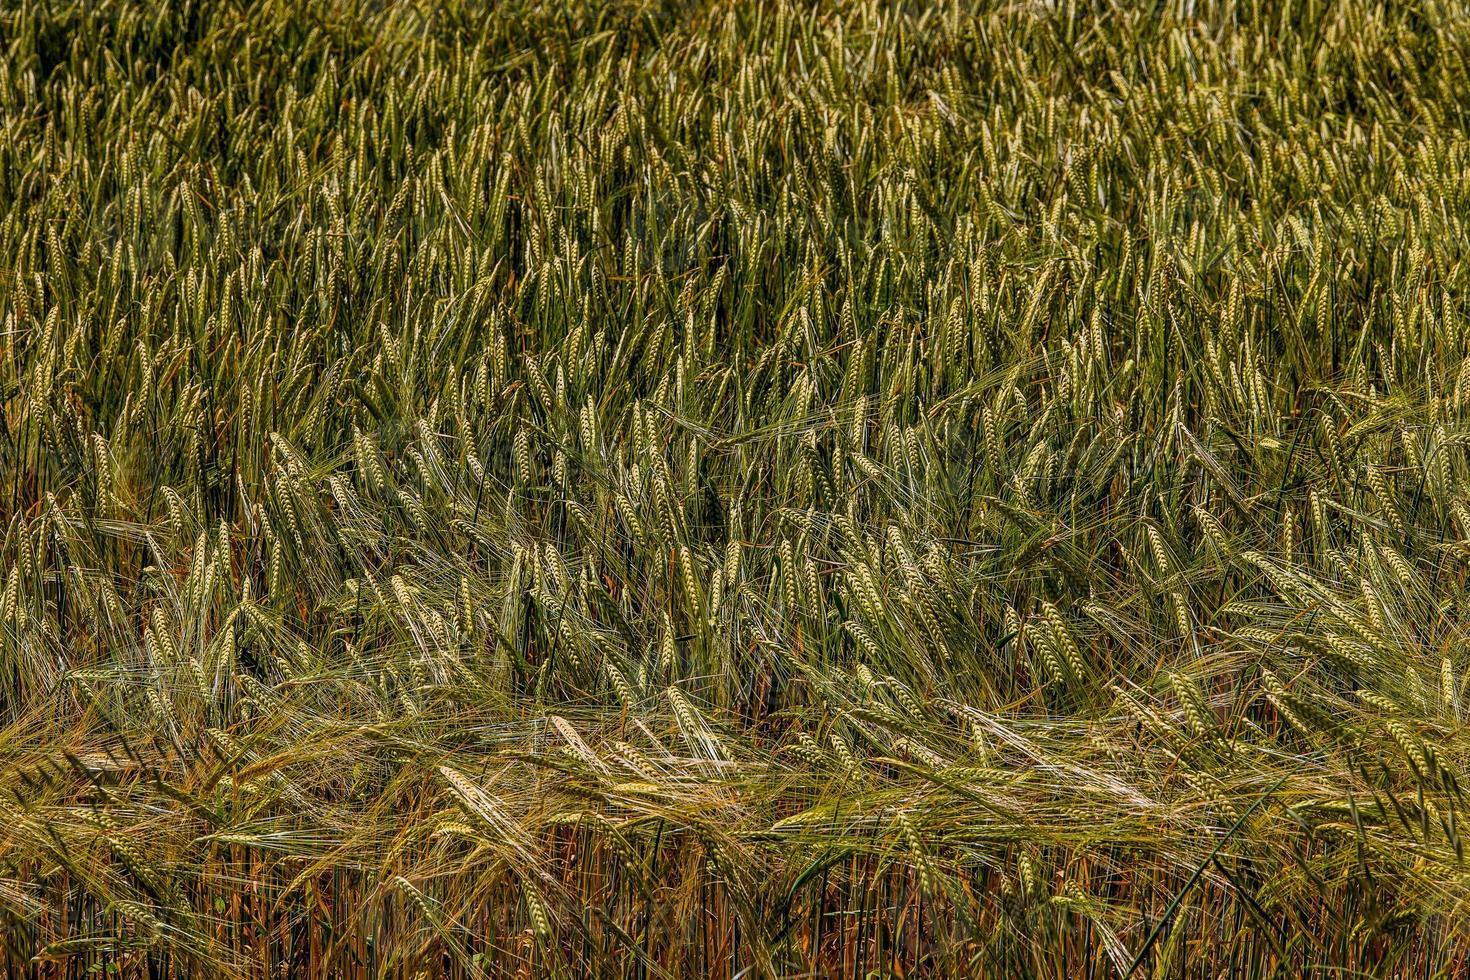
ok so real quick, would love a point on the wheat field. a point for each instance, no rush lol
(641, 489)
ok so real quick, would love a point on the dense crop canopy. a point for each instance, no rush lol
(655, 489)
